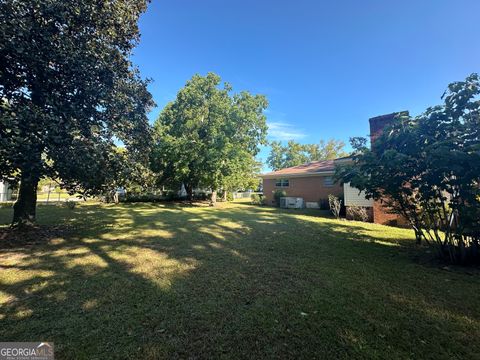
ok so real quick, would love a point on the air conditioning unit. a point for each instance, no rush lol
(291, 202)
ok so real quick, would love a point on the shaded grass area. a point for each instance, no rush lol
(237, 281)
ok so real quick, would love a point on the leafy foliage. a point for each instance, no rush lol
(279, 194)
(293, 153)
(69, 93)
(257, 199)
(70, 204)
(427, 169)
(209, 138)
(146, 197)
(326, 150)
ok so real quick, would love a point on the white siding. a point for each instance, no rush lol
(354, 198)
(5, 192)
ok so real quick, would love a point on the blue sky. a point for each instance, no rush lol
(325, 66)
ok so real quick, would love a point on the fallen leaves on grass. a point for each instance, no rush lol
(34, 235)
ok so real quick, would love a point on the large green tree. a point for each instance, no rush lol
(427, 168)
(326, 150)
(293, 153)
(209, 137)
(69, 93)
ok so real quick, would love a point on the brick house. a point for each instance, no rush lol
(313, 182)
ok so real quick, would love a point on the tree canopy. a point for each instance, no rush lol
(208, 137)
(426, 168)
(294, 153)
(69, 94)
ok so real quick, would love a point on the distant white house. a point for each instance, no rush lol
(182, 192)
(5, 192)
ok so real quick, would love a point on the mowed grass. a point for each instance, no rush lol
(233, 282)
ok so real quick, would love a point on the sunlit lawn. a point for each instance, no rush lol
(54, 196)
(237, 281)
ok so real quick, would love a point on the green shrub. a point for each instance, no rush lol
(229, 196)
(202, 196)
(323, 204)
(134, 198)
(257, 199)
(279, 194)
(70, 204)
(170, 195)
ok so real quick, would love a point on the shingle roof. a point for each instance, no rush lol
(312, 168)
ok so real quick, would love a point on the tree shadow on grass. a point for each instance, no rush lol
(163, 281)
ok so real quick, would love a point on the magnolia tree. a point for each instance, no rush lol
(427, 168)
(208, 137)
(69, 93)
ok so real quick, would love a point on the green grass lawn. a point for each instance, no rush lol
(236, 281)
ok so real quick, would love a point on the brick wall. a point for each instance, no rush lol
(310, 188)
(381, 215)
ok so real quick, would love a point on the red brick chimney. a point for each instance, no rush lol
(378, 123)
(381, 214)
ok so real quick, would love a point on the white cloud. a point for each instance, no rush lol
(282, 131)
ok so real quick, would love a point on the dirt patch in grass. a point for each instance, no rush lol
(11, 238)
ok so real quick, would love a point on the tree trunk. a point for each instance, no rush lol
(214, 198)
(418, 235)
(24, 210)
(189, 190)
(225, 195)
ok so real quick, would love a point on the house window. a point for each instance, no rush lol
(328, 181)
(282, 183)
